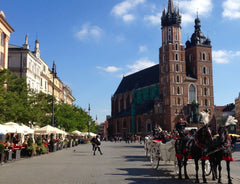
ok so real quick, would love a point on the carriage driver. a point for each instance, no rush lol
(180, 127)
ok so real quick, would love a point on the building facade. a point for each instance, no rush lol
(5, 31)
(182, 88)
(38, 75)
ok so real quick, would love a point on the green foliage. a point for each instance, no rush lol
(2, 147)
(39, 141)
(18, 103)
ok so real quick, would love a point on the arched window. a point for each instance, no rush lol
(204, 56)
(179, 101)
(177, 57)
(176, 46)
(178, 90)
(139, 125)
(191, 93)
(178, 80)
(124, 123)
(117, 126)
(206, 102)
(177, 68)
(205, 80)
(204, 70)
(190, 57)
(205, 91)
(169, 34)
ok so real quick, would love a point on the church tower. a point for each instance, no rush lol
(199, 67)
(172, 67)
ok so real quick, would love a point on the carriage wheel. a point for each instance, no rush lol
(207, 168)
(154, 158)
(176, 168)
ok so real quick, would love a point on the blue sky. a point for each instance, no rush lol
(95, 42)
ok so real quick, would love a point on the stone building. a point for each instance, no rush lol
(38, 75)
(181, 85)
(5, 31)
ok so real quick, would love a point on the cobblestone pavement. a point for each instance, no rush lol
(120, 164)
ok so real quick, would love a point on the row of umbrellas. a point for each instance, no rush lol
(12, 127)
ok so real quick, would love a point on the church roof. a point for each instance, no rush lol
(143, 78)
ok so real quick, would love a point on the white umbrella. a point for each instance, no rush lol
(46, 130)
(14, 128)
(3, 129)
(76, 132)
(27, 130)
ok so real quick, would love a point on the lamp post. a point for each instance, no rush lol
(89, 119)
(54, 74)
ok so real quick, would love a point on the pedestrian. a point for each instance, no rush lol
(93, 140)
(97, 145)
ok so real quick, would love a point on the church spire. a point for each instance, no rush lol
(170, 6)
(172, 17)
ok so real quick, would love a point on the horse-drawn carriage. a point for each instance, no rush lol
(200, 146)
(158, 151)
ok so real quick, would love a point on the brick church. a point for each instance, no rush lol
(180, 86)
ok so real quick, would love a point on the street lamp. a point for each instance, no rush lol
(88, 119)
(54, 74)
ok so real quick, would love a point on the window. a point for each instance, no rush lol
(191, 93)
(169, 34)
(176, 46)
(205, 91)
(2, 39)
(204, 56)
(177, 68)
(124, 123)
(206, 102)
(204, 70)
(179, 101)
(139, 125)
(1, 59)
(178, 80)
(205, 80)
(176, 57)
(190, 58)
(117, 126)
(178, 90)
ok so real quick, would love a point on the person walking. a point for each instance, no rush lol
(97, 145)
(93, 140)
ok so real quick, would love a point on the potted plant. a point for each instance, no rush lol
(31, 149)
(2, 148)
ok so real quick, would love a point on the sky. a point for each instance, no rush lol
(94, 43)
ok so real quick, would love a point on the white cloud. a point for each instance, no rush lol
(224, 56)
(140, 65)
(122, 9)
(110, 69)
(153, 19)
(190, 9)
(89, 32)
(143, 48)
(231, 9)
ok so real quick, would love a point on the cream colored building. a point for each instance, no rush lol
(5, 31)
(38, 74)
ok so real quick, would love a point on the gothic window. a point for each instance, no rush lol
(191, 93)
(178, 79)
(169, 34)
(124, 123)
(178, 90)
(204, 56)
(139, 125)
(176, 46)
(117, 126)
(179, 101)
(177, 68)
(206, 102)
(205, 91)
(204, 70)
(176, 57)
(205, 80)
(190, 57)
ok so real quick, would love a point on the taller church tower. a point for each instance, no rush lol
(172, 68)
(185, 75)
